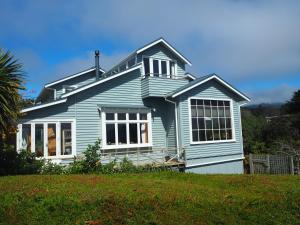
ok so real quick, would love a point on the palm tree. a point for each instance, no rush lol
(11, 82)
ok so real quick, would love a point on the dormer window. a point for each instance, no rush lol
(159, 67)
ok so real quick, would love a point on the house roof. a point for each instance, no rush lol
(190, 76)
(169, 46)
(101, 80)
(28, 109)
(72, 76)
(202, 80)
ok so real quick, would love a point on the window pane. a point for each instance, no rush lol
(214, 102)
(194, 112)
(200, 111)
(229, 134)
(172, 68)
(208, 123)
(121, 116)
(207, 111)
(132, 116)
(39, 140)
(220, 103)
(199, 102)
(110, 116)
(202, 135)
(51, 139)
(133, 139)
(215, 123)
(164, 67)
(194, 124)
(193, 101)
(221, 111)
(207, 102)
(155, 68)
(222, 123)
(26, 137)
(122, 133)
(144, 133)
(146, 66)
(209, 135)
(214, 111)
(216, 135)
(66, 138)
(143, 116)
(110, 134)
(201, 123)
(226, 103)
(228, 123)
(223, 134)
(122, 67)
(227, 111)
(195, 136)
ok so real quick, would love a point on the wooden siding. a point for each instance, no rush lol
(211, 89)
(79, 81)
(159, 86)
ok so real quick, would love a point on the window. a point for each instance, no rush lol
(131, 62)
(66, 138)
(47, 139)
(211, 120)
(26, 137)
(158, 67)
(128, 129)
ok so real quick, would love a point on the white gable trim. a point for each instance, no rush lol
(168, 45)
(43, 105)
(190, 76)
(208, 79)
(71, 77)
(101, 81)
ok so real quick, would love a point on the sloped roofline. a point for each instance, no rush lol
(209, 77)
(82, 88)
(43, 105)
(72, 76)
(169, 46)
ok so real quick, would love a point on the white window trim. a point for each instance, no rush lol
(65, 86)
(168, 75)
(217, 141)
(127, 121)
(58, 137)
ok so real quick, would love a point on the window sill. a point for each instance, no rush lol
(212, 142)
(57, 157)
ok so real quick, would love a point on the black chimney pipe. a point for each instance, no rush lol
(97, 63)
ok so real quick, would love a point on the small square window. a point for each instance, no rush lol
(143, 116)
(121, 116)
(195, 136)
(132, 116)
(202, 135)
(193, 101)
(207, 102)
(199, 102)
(110, 116)
(226, 103)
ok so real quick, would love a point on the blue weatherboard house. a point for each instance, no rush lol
(146, 108)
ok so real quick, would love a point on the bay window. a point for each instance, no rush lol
(211, 120)
(126, 129)
(159, 67)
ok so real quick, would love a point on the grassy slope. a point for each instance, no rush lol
(158, 198)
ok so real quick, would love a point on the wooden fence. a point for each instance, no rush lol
(271, 164)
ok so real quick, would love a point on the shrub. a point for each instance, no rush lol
(76, 167)
(52, 168)
(92, 156)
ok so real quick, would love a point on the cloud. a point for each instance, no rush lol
(277, 94)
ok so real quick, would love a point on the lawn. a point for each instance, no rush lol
(151, 198)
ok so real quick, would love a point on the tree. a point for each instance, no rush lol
(11, 82)
(293, 106)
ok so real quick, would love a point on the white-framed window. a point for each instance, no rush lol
(211, 120)
(126, 129)
(159, 67)
(48, 139)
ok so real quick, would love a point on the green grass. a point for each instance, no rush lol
(150, 198)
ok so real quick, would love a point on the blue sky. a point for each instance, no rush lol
(255, 45)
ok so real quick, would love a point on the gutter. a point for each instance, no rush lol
(176, 125)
